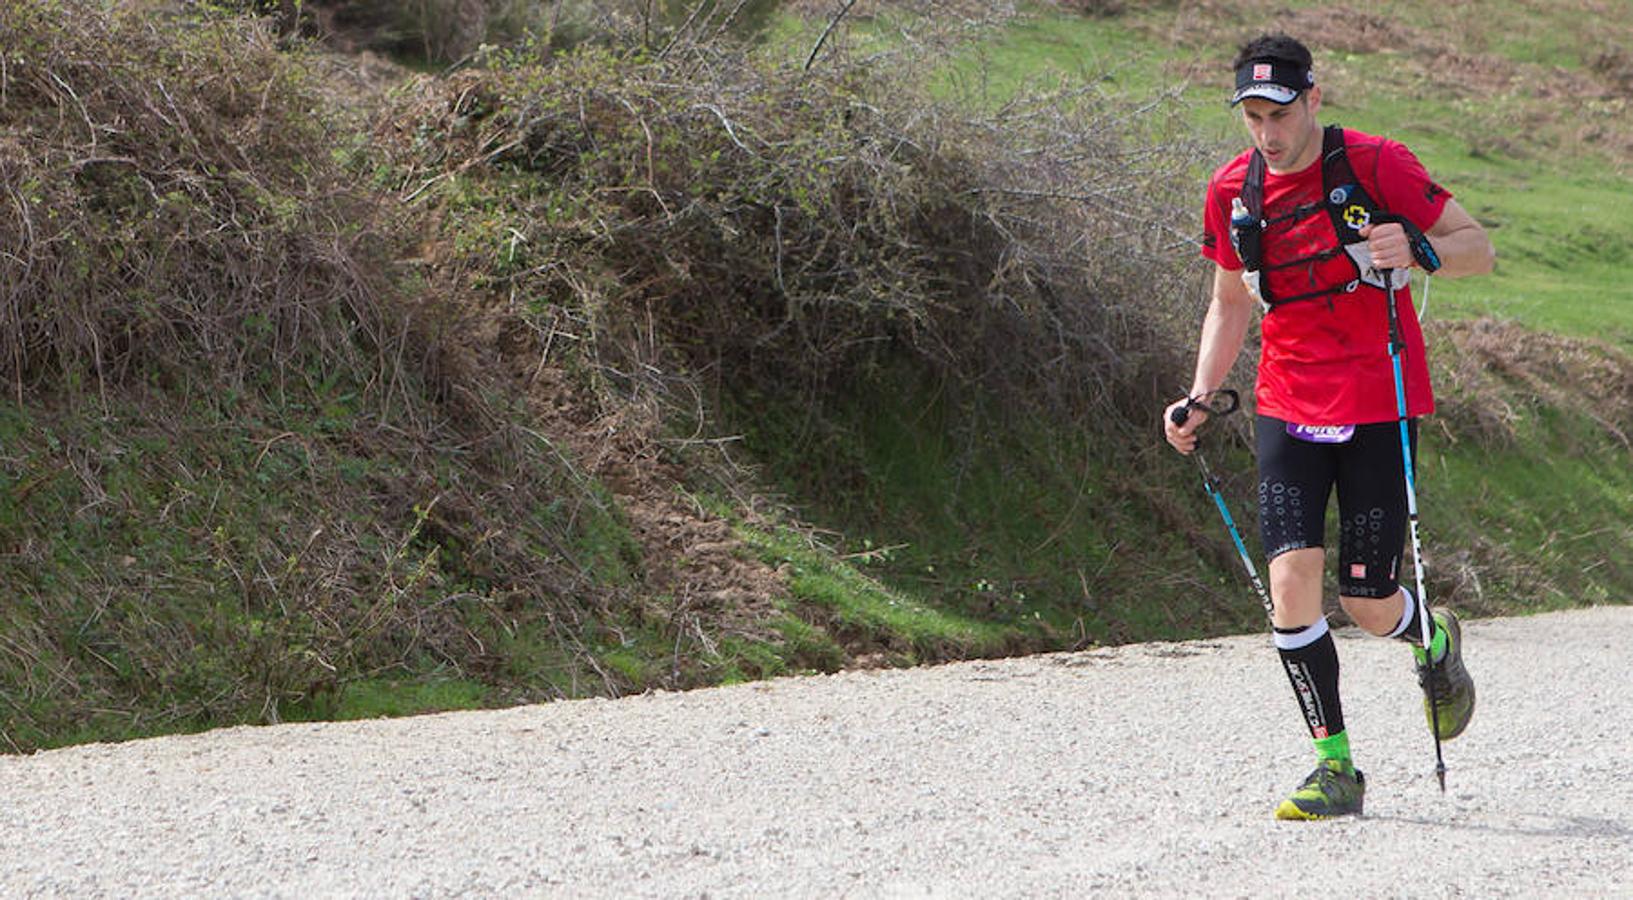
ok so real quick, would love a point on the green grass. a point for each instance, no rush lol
(1559, 505)
(1006, 520)
(857, 602)
(838, 592)
(1556, 210)
(375, 698)
(1047, 52)
(172, 567)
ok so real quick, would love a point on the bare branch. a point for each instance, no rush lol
(685, 27)
(730, 17)
(730, 132)
(832, 24)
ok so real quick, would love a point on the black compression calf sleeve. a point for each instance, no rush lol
(1311, 661)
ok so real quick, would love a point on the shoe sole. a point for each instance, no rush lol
(1289, 812)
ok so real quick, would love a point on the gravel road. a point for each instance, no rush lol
(1149, 769)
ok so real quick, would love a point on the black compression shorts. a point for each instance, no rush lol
(1296, 475)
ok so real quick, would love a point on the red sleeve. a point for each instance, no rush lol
(1216, 224)
(1405, 187)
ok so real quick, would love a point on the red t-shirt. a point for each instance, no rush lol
(1325, 361)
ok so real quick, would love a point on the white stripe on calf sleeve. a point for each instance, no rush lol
(1409, 613)
(1302, 637)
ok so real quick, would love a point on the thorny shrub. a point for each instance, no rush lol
(160, 219)
(744, 220)
(451, 31)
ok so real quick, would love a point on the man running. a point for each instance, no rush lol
(1307, 224)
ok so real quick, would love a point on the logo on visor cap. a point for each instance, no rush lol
(1279, 81)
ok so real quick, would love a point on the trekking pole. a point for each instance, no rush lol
(1210, 484)
(1395, 349)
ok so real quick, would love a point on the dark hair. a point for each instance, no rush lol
(1278, 46)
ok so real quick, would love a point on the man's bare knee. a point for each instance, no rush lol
(1375, 615)
(1295, 586)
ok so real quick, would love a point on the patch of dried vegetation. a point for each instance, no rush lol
(1496, 373)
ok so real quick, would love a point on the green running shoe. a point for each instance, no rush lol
(1333, 789)
(1453, 688)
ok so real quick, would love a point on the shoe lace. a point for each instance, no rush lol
(1325, 778)
(1437, 675)
(1440, 676)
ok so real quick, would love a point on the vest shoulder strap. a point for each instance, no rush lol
(1335, 167)
(1253, 185)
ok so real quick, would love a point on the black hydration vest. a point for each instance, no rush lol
(1343, 265)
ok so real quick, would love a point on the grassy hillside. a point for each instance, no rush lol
(1526, 358)
(600, 351)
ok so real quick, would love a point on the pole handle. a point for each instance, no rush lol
(1221, 402)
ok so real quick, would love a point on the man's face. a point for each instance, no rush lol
(1288, 136)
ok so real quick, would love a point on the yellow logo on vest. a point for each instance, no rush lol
(1356, 216)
